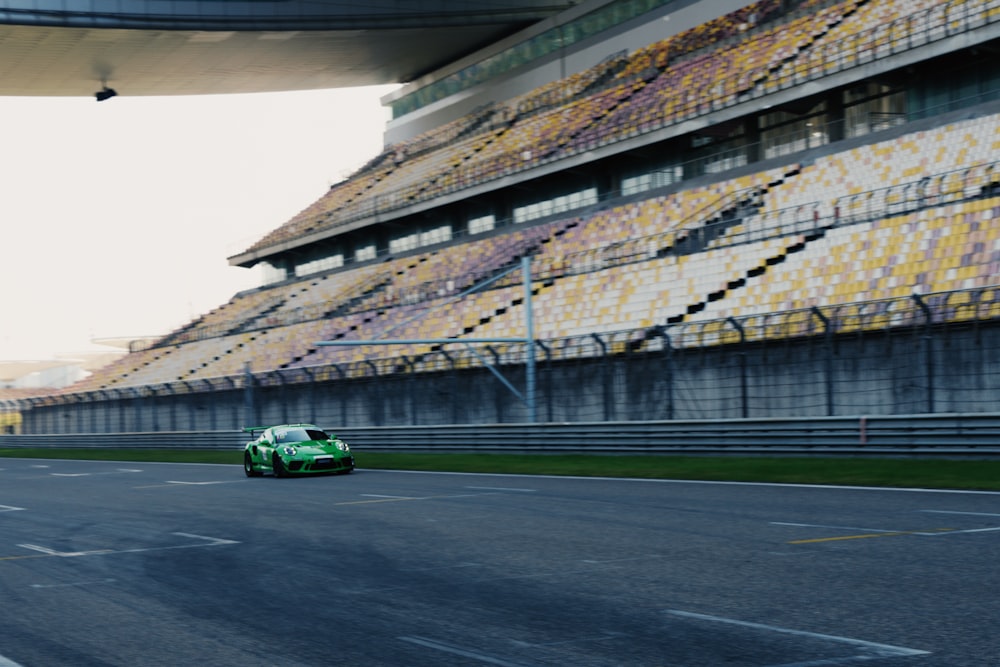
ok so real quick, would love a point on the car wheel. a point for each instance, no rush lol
(248, 466)
(278, 466)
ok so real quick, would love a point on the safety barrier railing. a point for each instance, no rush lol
(939, 435)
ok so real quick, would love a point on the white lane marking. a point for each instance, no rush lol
(500, 488)
(212, 540)
(177, 485)
(820, 525)
(88, 474)
(40, 466)
(879, 650)
(221, 481)
(206, 542)
(962, 513)
(10, 508)
(379, 496)
(820, 487)
(457, 650)
(5, 662)
(910, 532)
(63, 554)
(969, 530)
(75, 583)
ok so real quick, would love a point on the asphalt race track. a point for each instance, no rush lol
(105, 563)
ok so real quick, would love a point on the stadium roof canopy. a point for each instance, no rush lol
(74, 47)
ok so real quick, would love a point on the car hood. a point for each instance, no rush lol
(317, 447)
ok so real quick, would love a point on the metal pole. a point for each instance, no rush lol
(529, 336)
(744, 399)
(249, 399)
(828, 362)
(548, 380)
(668, 349)
(605, 383)
(928, 349)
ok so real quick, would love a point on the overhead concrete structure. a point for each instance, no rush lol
(75, 47)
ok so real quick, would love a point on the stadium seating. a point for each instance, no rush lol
(694, 72)
(508, 136)
(911, 214)
(933, 250)
(706, 68)
(961, 147)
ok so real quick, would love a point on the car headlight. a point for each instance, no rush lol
(289, 451)
(342, 446)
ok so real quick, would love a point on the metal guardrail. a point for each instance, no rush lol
(196, 440)
(917, 435)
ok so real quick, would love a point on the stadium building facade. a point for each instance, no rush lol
(731, 209)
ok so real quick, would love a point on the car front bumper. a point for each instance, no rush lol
(320, 465)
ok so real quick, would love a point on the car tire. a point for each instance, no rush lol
(278, 466)
(248, 466)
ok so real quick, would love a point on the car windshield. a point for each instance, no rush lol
(302, 435)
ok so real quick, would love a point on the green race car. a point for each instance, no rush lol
(295, 449)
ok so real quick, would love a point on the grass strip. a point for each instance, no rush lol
(917, 473)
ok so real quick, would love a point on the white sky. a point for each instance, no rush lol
(116, 218)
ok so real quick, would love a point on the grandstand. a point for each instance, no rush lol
(782, 173)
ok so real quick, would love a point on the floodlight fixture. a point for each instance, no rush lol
(105, 94)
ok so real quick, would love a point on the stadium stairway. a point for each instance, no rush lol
(714, 222)
(788, 55)
(794, 244)
(359, 293)
(369, 312)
